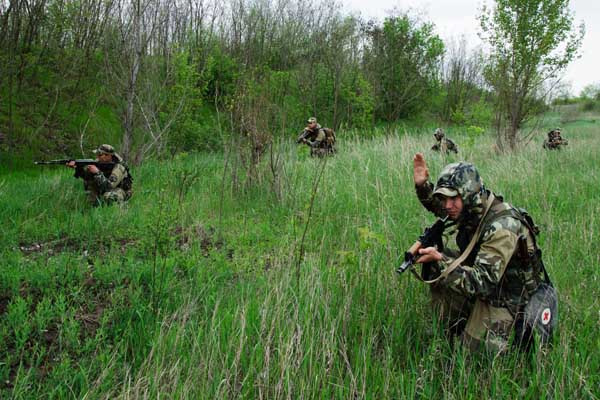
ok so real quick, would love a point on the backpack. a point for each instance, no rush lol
(127, 182)
(329, 136)
(540, 315)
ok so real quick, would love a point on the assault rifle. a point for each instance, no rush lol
(80, 164)
(431, 237)
(303, 136)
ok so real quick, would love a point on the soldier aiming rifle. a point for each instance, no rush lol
(106, 179)
(321, 140)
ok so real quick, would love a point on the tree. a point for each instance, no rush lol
(402, 59)
(531, 43)
(591, 92)
(462, 76)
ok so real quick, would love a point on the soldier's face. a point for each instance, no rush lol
(453, 206)
(311, 125)
(104, 157)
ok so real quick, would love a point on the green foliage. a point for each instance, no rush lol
(590, 105)
(128, 301)
(473, 134)
(194, 127)
(480, 113)
(531, 41)
(402, 59)
(221, 74)
(591, 92)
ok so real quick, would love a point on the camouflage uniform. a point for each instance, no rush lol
(321, 140)
(554, 140)
(108, 187)
(443, 144)
(484, 296)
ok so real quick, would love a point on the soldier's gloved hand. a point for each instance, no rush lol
(70, 164)
(429, 254)
(92, 169)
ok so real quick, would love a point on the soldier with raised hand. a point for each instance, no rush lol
(109, 186)
(482, 288)
(321, 140)
(443, 144)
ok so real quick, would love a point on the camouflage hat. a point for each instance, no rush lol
(460, 179)
(105, 149)
(312, 120)
(439, 133)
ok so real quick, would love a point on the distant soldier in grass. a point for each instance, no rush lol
(482, 290)
(109, 186)
(321, 140)
(554, 140)
(443, 144)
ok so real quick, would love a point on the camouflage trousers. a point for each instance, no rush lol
(478, 324)
(445, 148)
(322, 151)
(552, 145)
(117, 195)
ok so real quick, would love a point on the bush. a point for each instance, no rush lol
(590, 105)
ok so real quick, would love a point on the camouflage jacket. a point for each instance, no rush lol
(446, 145)
(315, 137)
(493, 272)
(100, 182)
(555, 143)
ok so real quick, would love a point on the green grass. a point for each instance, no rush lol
(204, 297)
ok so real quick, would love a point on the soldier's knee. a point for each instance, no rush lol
(113, 196)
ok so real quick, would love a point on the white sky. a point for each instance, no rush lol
(459, 17)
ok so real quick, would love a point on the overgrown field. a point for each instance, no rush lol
(195, 289)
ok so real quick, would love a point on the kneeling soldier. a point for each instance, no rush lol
(443, 144)
(481, 291)
(106, 187)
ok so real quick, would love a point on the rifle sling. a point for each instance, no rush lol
(465, 253)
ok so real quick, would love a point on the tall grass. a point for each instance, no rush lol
(80, 316)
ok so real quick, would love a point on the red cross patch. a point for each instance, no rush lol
(546, 316)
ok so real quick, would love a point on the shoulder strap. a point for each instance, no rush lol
(515, 213)
(467, 251)
(518, 214)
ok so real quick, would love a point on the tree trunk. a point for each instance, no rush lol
(131, 88)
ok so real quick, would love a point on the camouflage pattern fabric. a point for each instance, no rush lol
(320, 140)
(106, 188)
(494, 277)
(554, 141)
(443, 144)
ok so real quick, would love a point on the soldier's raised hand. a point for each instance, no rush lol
(92, 169)
(420, 170)
(70, 164)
